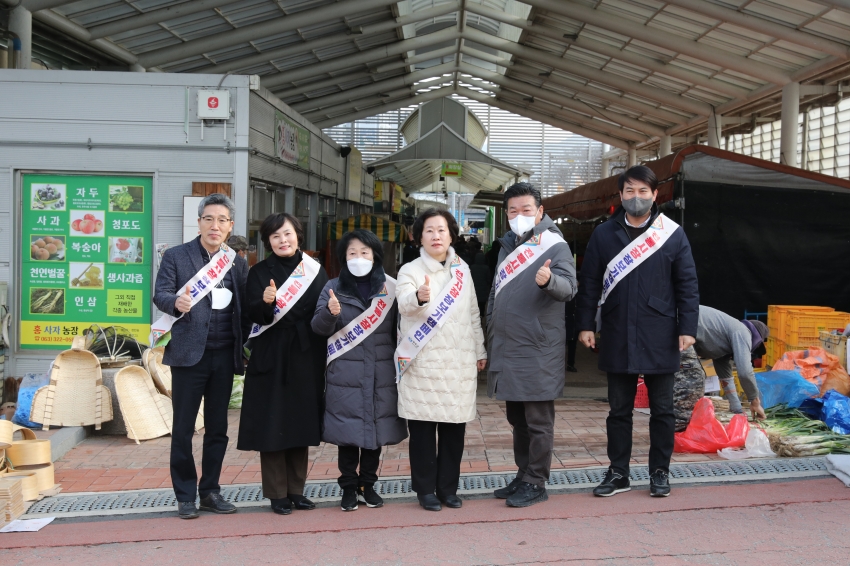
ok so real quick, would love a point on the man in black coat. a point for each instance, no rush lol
(205, 352)
(649, 316)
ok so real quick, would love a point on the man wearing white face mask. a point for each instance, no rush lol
(527, 338)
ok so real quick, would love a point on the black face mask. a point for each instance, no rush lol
(759, 351)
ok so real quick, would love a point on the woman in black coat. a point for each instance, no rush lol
(361, 399)
(282, 400)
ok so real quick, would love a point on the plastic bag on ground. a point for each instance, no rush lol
(836, 412)
(756, 446)
(29, 385)
(705, 435)
(784, 386)
(817, 366)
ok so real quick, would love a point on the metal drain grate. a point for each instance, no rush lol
(161, 500)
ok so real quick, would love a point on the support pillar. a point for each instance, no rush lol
(790, 121)
(632, 155)
(715, 122)
(606, 168)
(136, 68)
(666, 147)
(20, 23)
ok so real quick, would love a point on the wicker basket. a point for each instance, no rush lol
(160, 373)
(147, 413)
(76, 395)
(29, 484)
(149, 353)
(30, 451)
(45, 475)
(7, 431)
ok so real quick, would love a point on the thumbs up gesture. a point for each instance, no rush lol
(544, 274)
(270, 292)
(424, 292)
(333, 304)
(184, 301)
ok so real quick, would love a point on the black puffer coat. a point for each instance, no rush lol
(361, 398)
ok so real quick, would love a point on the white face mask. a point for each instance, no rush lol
(521, 224)
(359, 266)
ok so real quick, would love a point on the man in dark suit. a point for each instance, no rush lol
(648, 318)
(205, 351)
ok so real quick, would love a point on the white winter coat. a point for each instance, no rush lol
(441, 382)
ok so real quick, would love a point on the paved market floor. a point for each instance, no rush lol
(802, 522)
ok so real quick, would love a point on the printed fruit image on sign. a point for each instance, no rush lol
(86, 223)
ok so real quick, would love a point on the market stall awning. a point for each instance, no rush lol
(419, 164)
(386, 230)
(483, 199)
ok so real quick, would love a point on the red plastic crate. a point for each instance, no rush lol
(642, 396)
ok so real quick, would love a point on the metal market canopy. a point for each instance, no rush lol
(386, 230)
(419, 164)
(624, 72)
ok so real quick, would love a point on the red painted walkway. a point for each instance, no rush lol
(802, 522)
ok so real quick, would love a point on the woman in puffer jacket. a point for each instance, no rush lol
(436, 393)
(361, 396)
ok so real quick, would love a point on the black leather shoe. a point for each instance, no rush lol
(282, 506)
(508, 490)
(572, 369)
(215, 503)
(452, 501)
(527, 495)
(612, 484)
(659, 484)
(301, 503)
(187, 510)
(429, 502)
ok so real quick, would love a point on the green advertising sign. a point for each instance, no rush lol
(291, 141)
(86, 250)
(451, 170)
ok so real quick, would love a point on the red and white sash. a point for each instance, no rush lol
(292, 289)
(636, 253)
(355, 332)
(523, 256)
(427, 324)
(199, 287)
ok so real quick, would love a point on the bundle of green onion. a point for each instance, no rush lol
(792, 433)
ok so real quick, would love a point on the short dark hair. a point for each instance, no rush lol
(367, 238)
(521, 190)
(640, 173)
(273, 222)
(419, 224)
(238, 243)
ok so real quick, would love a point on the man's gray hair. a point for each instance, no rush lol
(217, 198)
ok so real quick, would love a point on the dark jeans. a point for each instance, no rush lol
(349, 458)
(435, 464)
(533, 425)
(622, 388)
(210, 379)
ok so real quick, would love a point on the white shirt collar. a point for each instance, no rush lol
(644, 223)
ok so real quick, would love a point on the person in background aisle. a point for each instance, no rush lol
(638, 267)
(204, 353)
(282, 400)
(361, 397)
(722, 338)
(239, 244)
(440, 352)
(482, 280)
(572, 333)
(526, 338)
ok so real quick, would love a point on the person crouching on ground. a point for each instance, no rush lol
(440, 352)
(527, 339)
(638, 267)
(357, 311)
(282, 400)
(204, 352)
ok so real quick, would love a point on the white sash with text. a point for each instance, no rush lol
(293, 288)
(355, 332)
(523, 256)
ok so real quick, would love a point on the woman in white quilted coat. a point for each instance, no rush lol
(436, 393)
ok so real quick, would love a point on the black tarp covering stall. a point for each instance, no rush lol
(762, 233)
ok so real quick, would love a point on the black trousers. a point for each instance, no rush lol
(533, 425)
(210, 379)
(436, 450)
(622, 388)
(571, 352)
(348, 460)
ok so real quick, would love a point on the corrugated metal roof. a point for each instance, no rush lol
(680, 57)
